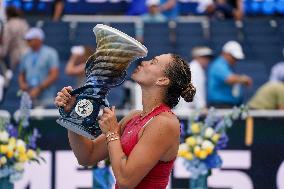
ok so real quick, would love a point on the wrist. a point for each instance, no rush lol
(41, 87)
(243, 79)
(112, 136)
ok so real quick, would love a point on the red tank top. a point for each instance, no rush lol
(158, 176)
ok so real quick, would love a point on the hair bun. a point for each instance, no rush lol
(188, 92)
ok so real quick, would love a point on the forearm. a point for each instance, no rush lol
(22, 82)
(87, 152)
(119, 163)
(234, 79)
(49, 80)
(240, 5)
(168, 5)
(81, 147)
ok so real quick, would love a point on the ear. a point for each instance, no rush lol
(163, 81)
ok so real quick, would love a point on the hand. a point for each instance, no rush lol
(35, 92)
(108, 121)
(65, 99)
(246, 80)
(24, 86)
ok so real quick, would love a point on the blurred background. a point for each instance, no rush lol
(218, 38)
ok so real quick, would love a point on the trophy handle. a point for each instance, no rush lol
(79, 90)
(74, 92)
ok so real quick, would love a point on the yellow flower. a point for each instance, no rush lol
(189, 156)
(10, 154)
(23, 157)
(3, 160)
(203, 154)
(209, 132)
(190, 141)
(209, 150)
(21, 149)
(182, 153)
(31, 154)
(195, 128)
(208, 146)
(12, 141)
(196, 151)
(3, 149)
(215, 138)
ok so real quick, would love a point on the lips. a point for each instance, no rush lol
(137, 69)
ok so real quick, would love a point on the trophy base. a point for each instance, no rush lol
(77, 128)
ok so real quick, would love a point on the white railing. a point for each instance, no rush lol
(181, 113)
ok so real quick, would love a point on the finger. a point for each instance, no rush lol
(69, 88)
(113, 109)
(66, 92)
(61, 104)
(62, 96)
(107, 110)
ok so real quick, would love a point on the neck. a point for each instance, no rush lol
(151, 99)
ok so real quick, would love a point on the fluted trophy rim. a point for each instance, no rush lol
(122, 34)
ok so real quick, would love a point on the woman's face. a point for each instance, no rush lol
(149, 72)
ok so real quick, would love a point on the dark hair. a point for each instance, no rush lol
(179, 75)
(13, 12)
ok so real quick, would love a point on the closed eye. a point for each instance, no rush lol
(154, 61)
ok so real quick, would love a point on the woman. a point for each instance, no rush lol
(13, 43)
(77, 61)
(142, 147)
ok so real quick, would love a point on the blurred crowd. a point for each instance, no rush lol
(213, 75)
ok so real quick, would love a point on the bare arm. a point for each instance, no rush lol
(52, 77)
(242, 79)
(88, 152)
(22, 82)
(6, 40)
(160, 137)
(168, 5)
(74, 69)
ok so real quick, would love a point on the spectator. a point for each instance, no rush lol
(154, 14)
(58, 10)
(13, 43)
(77, 61)
(169, 8)
(222, 8)
(277, 71)
(224, 86)
(269, 96)
(39, 69)
(201, 58)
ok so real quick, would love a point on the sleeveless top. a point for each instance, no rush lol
(158, 176)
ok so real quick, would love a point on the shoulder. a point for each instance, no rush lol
(50, 50)
(166, 123)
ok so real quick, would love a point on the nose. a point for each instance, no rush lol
(143, 63)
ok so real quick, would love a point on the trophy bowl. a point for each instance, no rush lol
(105, 69)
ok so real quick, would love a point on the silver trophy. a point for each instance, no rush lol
(105, 69)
